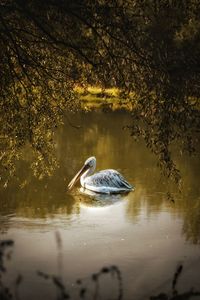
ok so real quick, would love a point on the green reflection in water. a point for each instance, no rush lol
(102, 135)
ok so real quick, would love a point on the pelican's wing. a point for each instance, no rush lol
(108, 178)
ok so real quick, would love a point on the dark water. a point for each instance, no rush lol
(144, 233)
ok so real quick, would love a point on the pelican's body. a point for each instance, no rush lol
(106, 181)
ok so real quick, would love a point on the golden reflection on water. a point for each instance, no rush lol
(102, 135)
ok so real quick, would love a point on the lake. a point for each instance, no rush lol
(147, 234)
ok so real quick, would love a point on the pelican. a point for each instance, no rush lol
(106, 181)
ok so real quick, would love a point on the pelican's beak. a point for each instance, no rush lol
(77, 176)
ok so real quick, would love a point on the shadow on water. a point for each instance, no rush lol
(89, 198)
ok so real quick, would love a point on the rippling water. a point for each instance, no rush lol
(144, 233)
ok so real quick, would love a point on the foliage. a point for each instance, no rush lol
(35, 89)
(147, 47)
(5, 292)
(167, 77)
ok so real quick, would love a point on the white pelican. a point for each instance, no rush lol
(106, 181)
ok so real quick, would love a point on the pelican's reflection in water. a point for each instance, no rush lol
(92, 199)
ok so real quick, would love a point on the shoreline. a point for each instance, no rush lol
(108, 99)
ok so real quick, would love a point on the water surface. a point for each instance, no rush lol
(144, 233)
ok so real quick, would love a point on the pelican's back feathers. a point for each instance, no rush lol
(108, 179)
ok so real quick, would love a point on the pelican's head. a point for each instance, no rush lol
(91, 162)
(89, 167)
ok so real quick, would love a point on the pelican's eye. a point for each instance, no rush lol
(87, 164)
